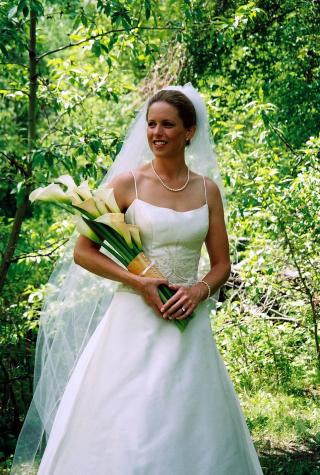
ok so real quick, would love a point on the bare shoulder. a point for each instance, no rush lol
(213, 194)
(123, 188)
(122, 180)
(212, 187)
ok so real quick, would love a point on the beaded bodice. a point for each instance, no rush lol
(173, 239)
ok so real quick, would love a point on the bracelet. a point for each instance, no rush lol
(208, 287)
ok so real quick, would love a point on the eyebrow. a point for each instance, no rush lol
(163, 120)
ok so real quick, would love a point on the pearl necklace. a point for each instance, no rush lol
(168, 187)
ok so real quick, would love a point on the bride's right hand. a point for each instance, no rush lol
(148, 288)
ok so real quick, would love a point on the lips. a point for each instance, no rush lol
(159, 144)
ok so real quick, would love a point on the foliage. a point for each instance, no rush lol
(257, 64)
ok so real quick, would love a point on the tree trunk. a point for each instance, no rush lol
(22, 207)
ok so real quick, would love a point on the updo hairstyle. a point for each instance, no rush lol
(181, 102)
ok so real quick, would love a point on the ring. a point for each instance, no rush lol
(183, 309)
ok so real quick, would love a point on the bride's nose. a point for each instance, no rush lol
(158, 130)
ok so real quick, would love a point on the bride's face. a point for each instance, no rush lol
(166, 132)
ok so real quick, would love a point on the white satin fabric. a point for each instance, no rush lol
(146, 398)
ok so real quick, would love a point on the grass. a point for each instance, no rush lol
(286, 430)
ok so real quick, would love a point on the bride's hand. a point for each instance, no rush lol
(148, 288)
(183, 302)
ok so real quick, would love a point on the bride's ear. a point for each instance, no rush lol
(190, 133)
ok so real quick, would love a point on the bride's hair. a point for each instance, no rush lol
(181, 102)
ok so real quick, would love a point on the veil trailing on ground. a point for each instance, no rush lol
(77, 300)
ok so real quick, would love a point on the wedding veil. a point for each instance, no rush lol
(77, 300)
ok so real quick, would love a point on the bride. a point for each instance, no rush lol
(144, 398)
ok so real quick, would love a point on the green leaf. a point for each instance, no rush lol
(95, 145)
(37, 7)
(96, 48)
(12, 12)
(147, 6)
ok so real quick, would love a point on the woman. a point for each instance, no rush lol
(145, 398)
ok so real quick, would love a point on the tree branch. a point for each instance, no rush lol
(106, 33)
(16, 164)
(14, 89)
(16, 64)
(39, 254)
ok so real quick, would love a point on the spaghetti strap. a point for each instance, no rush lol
(135, 183)
(205, 189)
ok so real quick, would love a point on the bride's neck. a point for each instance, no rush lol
(170, 168)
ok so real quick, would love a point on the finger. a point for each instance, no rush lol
(171, 301)
(185, 314)
(161, 282)
(158, 303)
(174, 286)
(177, 306)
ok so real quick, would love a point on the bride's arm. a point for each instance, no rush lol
(87, 255)
(217, 241)
(218, 249)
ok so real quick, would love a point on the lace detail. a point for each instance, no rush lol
(177, 264)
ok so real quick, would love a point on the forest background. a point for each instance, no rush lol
(73, 74)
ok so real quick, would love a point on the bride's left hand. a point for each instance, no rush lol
(183, 302)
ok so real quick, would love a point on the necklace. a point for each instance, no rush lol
(168, 187)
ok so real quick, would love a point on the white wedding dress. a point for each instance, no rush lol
(146, 398)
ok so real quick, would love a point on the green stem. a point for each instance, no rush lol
(132, 251)
(118, 241)
(104, 231)
(115, 241)
(114, 253)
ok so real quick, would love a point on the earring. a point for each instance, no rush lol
(187, 141)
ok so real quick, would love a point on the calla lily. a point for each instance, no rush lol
(52, 193)
(111, 218)
(122, 229)
(84, 191)
(135, 235)
(100, 205)
(106, 195)
(78, 194)
(89, 206)
(84, 230)
(116, 222)
(67, 181)
(75, 198)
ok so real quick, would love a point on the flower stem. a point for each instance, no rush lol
(104, 231)
(114, 253)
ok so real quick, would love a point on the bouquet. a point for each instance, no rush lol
(98, 217)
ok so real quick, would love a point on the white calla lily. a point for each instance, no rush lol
(100, 205)
(84, 191)
(52, 193)
(135, 234)
(106, 195)
(77, 194)
(85, 230)
(67, 181)
(123, 230)
(111, 218)
(88, 205)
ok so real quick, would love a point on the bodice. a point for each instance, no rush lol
(173, 239)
